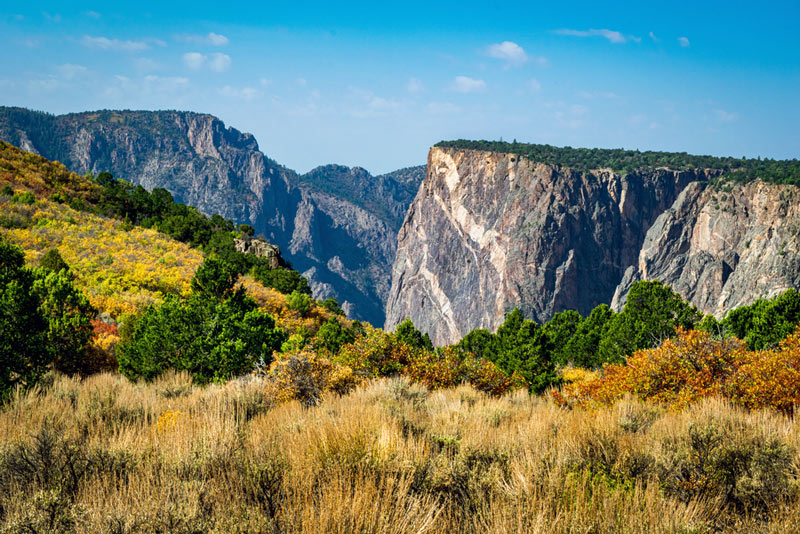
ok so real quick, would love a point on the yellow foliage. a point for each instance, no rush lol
(170, 420)
(119, 271)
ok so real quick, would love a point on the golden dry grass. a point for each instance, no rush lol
(390, 457)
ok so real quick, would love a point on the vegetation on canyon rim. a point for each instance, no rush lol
(628, 161)
(242, 404)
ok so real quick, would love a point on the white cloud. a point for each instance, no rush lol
(245, 93)
(219, 62)
(653, 37)
(93, 14)
(216, 39)
(414, 85)
(534, 85)
(265, 82)
(684, 42)
(465, 84)
(105, 43)
(194, 60)
(725, 116)
(70, 71)
(613, 36)
(211, 38)
(144, 64)
(52, 17)
(508, 51)
(216, 62)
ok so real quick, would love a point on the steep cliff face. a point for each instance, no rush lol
(336, 225)
(723, 248)
(490, 231)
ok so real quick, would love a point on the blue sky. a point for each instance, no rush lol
(375, 84)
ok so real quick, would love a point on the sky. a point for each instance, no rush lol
(376, 84)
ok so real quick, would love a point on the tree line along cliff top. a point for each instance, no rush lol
(627, 161)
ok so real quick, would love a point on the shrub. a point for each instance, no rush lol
(331, 336)
(284, 280)
(695, 365)
(24, 198)
(332, 306)
(751, 471)
(305, 376)
(299, 302)
(52, 261)
(375, 354)
(214, 340)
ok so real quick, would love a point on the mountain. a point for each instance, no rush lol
(336, 225)
(490, 230)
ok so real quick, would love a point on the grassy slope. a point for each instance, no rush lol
(120, 268)
(388, 458)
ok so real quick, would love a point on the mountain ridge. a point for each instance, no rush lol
(342, 243)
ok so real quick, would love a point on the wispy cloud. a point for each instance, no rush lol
(465, 84)
(104, 43)
(534, 85)
(653, 37)
(725, 116)
(590, 95)
(70, 71)
(93, 14)
(414, 85)
(508, 51)
(216, 62)
(245, 93)
(613, 36)
(684, 42)
(213, 39)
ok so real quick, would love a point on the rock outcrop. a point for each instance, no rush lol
(491, 231)
(722, 248)
(260, 248)
(336, 225)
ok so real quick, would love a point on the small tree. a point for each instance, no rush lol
(69, 316)
(408, 334)
(299, 302)
(52, 261)
(652, 313)
(23, 328)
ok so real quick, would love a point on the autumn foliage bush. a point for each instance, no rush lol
(695, 365)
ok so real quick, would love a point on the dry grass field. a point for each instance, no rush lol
(106, 455)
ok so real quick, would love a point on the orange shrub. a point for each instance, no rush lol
(437, 371)
(768, 377)
(694, 365)
(487, 377)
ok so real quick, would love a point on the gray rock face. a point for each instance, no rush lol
(490, 231)
(337, 225)
(722, 249)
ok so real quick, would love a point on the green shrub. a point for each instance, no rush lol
(24, 198)
(299, 302)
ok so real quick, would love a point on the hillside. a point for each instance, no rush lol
(122, 268)
(336, 225)
(489, 231)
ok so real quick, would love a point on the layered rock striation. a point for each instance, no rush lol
(491, 231)
(722, 248)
